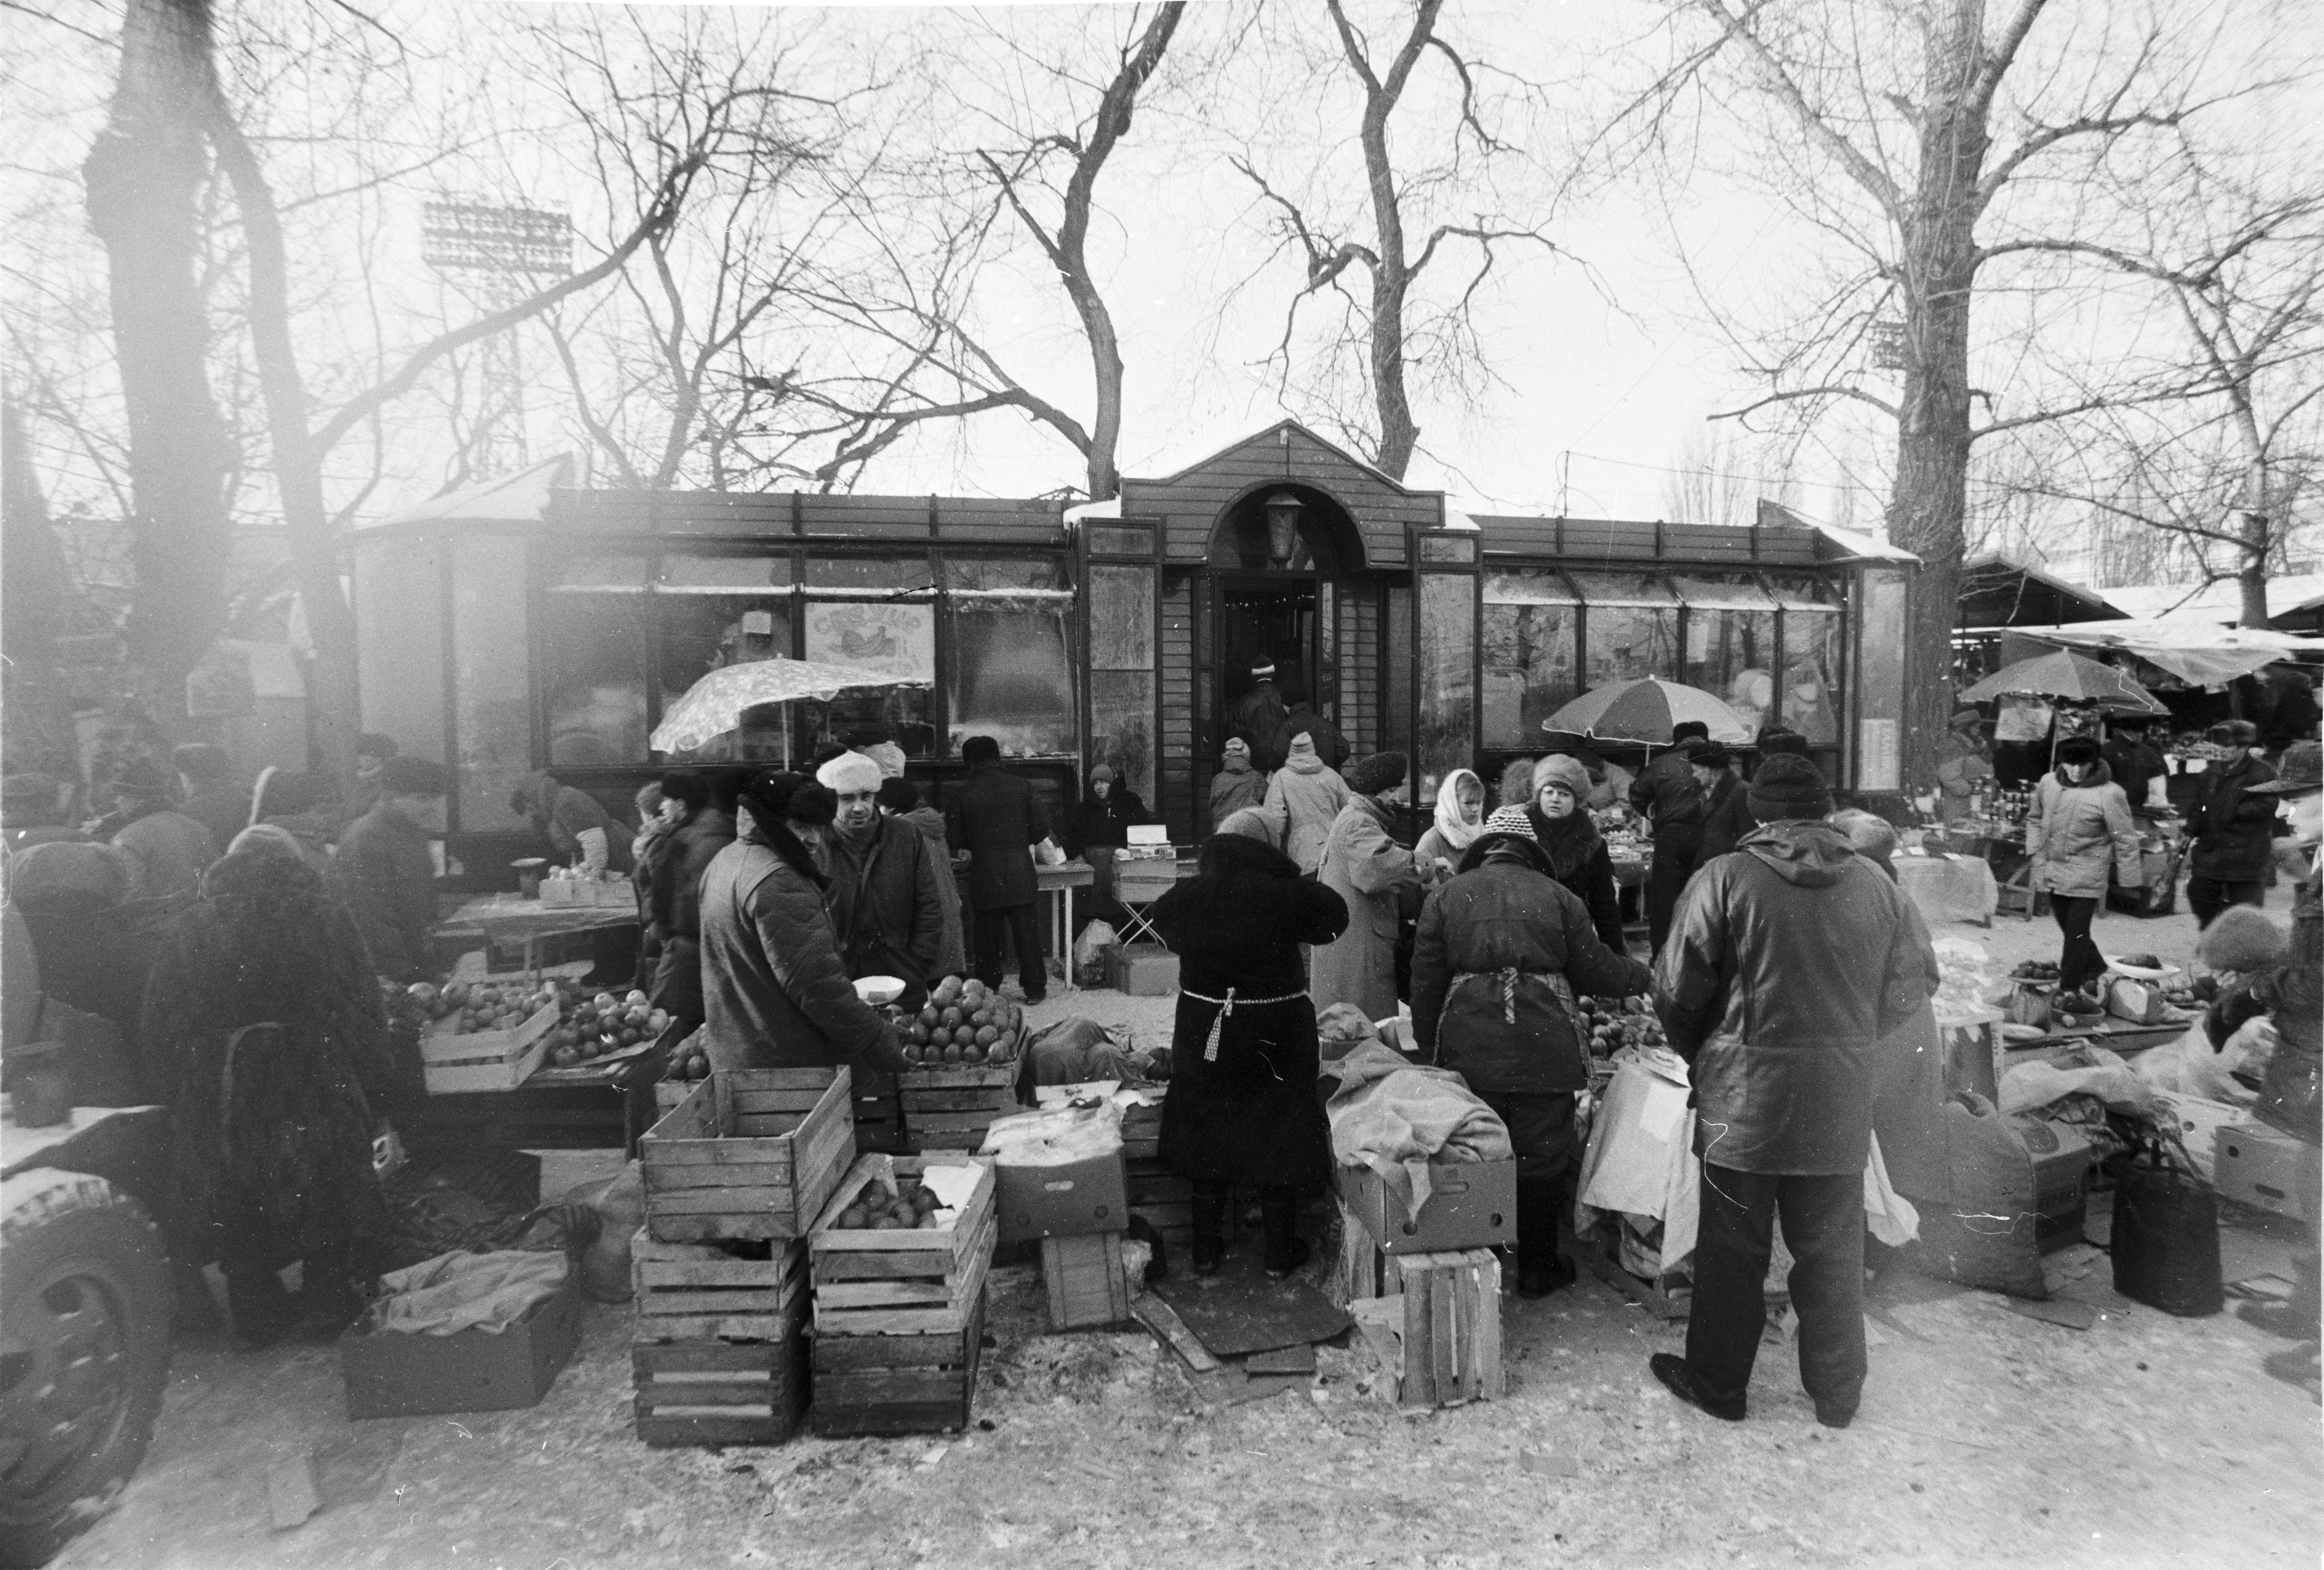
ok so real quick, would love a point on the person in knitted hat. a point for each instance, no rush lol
(2078, 831)
(775, 992)
(1304, 799)
(1237, 784)
(886, 897)
(1501, 952)
(2231, 826)
(1364, 864)
(1098, 827)
(1793, 969)
(1576, 852)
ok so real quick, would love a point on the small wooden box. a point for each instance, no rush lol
(1443, 1338)
(686, 1291)
(1472, 1204)
(1084, 1279)
(486, 1060)
(901, 1282)
(921, 1383)
(1165, 1201)
(720, 1392)
(748, 1153)
(953, 1106)
(1141, 1130)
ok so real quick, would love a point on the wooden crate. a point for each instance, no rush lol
(748, 1153)
(898, 1384)
(486, 1060)
(1084, 1279)
(880, 1121)
(720, 1392)
(1434, 1318)
(686, 1291)
(949, 1108)
(901, 1282)
(1165, 1201)
(1141, 1132)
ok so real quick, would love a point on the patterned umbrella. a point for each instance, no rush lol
(715, 705)
(2068, 676)
(1645, 711)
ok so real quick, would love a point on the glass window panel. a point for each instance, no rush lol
(1529, 656)
(1447, 548)
(1723, 593)
(492, 684)
(1011, 675)
(1529, 587)
(594, 652)
(1396, 723)
(1880, 700)
(618, 573)
(1731, 655)
(1624, 588)
(1448, 689)
(1808, 593)
(1628, 642)
(712, 574)
(701, 632)
(867, 572)
(1121, 726)
(1121, 618)
(1117, 539)
(1809, 695)
(400, 640)
(1008, 574)
(893, 638)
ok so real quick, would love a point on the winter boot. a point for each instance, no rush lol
(1210, 1249)
(260, 1308)
(328, 1301)
(1541, 1269)
(1279, 1212)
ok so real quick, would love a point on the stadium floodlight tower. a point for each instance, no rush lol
(500, 253)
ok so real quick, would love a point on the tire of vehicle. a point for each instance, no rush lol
(85, 1321)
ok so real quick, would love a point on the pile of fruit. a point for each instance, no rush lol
(601, 1024)
(962, 1021)
(465, 1008)
(1618, 1022)
(689, 1060)
(2036, 969)
(876, 1210)
(2198, 993)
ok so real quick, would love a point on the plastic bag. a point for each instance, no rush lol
(1054, 1137)
(1089, 953)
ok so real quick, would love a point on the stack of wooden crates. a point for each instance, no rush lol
(953, 1106)
(735, 1175)
(899, 1313)
(1425, 1290)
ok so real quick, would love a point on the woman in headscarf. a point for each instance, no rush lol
(263, 1017)
(1243, 1056)
(1576, 852)
(1502, 953)
(1460, 819)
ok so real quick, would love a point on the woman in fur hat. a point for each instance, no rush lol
(1576, 852)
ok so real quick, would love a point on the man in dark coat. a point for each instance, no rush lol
(1503, 950)
(167, 848)
(1789, 963)
(1725, 825)
(774, 992)
(384, 874)
(2231, 827)
(1666, 795)
(1242, 1105)
(887, 896)
(2131, 758)
(213, 796)
(698, 829)
(996, 819)
(1304, 717)
(1713, 768)
(1257, 719)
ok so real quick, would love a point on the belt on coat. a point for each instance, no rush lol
(1227, 1006)
(1559, 987)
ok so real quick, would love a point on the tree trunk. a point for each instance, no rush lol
(297, 470)
(2253, 519)
(145, 177)
(1391, 276)
(1926, 512)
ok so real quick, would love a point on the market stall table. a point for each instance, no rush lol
(1949, 887)
(585, 1106)
(511, 920)
(1056, 886)
(1137, 882)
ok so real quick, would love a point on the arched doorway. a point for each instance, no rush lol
(1277, 556)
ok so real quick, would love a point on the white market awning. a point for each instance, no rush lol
(2197, 653)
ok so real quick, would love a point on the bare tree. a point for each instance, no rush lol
(1393, 327)
(1900, 133)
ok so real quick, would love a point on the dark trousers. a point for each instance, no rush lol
(2081, 962)
(1541, 1132)
(995, 929)
(1676, 852)
(2207, 897)
(1823, 1226)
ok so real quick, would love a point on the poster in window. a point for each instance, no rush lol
(894, 640)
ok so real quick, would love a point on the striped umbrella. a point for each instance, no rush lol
(1645, 711)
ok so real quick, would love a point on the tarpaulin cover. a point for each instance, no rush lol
(455, 1292)
(2198, 653)
(1395, 1118)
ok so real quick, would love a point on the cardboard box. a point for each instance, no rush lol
(396, 1374)
(1143, 970)
(2139, 1002)
(1473, 1204)
(1082, 1197)
(2268, 1169)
